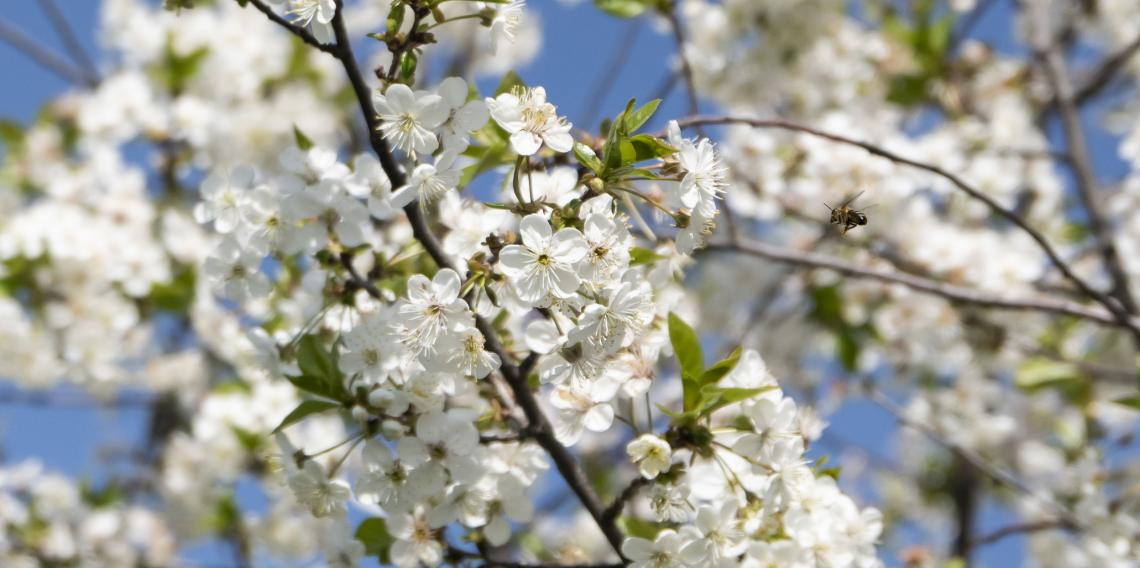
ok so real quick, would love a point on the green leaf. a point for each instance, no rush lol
(649, 147)
(11, 135)
(588, 158)
(492, 157)
(177, 69)
(715, 398)
(635, 527)
(639, 117)
(509, 82)
(319, 372)
(395, 16)
(1132, 402)
(306, 408)
(686, 346)
(303, 142)
(622, 8)
(376, 538)
(408, 63)
(641, 255)
(723, 367)
(176, 295)
(250, 441)
(1038, 373)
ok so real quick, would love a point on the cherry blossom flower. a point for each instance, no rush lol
(407, 119)
(543, 265)
(531, 121)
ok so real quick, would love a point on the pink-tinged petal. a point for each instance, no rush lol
(447, 284)
(525, 143)
(420, 289)
(514, 260)
(400, 98)
(565, 282)
(568, 245)
(535, 231)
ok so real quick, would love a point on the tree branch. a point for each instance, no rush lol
(294, 28)
(686, 69)
(1020, 528)
(1057, 72)
(1105, 72)
(1113, 306)
(70, 40)
(917, 283)
(970, 457)
(524, 397)
(12, 36)
(613, 511)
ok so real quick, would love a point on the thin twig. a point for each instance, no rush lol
(608, 78)
(1113, 306)
(686, 69)
(70, 41)
(294, 29)
(1019, 528)
(613, 511)
(998, 475)
(917, 283)
(1077, 149)
(1106, 71)
(12, 36)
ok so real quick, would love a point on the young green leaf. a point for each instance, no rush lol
(373, 533)
(303, 142)
(588, 158)
(509, 82)
(686, 346)
(639, 117)
(723, 367)
(306, 408)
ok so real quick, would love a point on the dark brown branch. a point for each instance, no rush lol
(1105, 72)
(1020, 528)
(1113, 306)
(12, 36)
(294, 29)
(917, 283)
(1056, 70)
(537, 422)
(70, 40)
(613, 511)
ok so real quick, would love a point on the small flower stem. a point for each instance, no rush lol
(515, 183)
(455, 19)
(336, 466)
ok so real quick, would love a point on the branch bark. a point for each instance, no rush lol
(1077, 149)
(538, 424)
(21, 42)
(1118, 311)
(917, 283)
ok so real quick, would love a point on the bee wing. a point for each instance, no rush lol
(852, 199)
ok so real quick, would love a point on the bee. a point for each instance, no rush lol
(848, 216)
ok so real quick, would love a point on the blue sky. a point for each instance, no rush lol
(67, 438)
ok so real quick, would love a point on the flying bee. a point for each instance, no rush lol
(848, 216)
